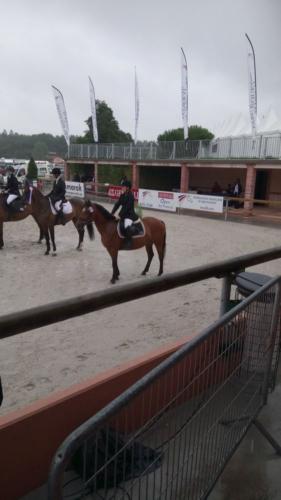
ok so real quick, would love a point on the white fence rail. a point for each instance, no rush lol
(263, 147)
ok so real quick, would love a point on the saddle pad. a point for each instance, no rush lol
(66, 208)
(138, 224)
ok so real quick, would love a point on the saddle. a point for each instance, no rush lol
(18, 205)
(137, 229)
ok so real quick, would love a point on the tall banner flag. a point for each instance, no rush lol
(62, 113)
(252, 86)
(184, 94)
(93, 110)
(137, 107)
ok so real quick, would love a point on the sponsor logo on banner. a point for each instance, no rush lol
(115, 191)
(161, 200)
(75, 189)
(207, 203)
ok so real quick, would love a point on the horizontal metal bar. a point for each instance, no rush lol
(36, 317)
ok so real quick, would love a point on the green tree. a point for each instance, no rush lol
(32, 169)
(108, 127)
(40, 150)
(195, 132)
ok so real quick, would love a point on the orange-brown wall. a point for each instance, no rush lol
(204, 178)
(30, 437)
(274, 185)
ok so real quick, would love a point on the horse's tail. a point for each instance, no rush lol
(164, 240)
(90, 229)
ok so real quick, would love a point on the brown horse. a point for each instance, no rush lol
(41, 210)
(155, 233)
(6, 215)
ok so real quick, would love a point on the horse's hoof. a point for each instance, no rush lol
(143, 273)
(54, 254)
(79, 249)
(46, 253)
(39, 242)
(112, 281)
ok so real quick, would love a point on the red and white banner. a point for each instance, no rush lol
(115, 191)
(161, 200)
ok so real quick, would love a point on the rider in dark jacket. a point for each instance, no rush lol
(57, 194)
(12, 188)
(127, 213)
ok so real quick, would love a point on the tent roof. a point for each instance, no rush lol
(237, 125)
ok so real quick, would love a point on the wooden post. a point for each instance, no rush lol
(185, 174)
(250, 189)
(135, 175)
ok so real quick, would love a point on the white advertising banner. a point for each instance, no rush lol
(161, 200)
(75, 189)
(61, 112)
(207, 203)
(184, 94)
(93, 110)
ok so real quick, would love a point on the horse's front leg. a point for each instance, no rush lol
(81, 232)
(47, 238)
(1, 236)
(52, 234)
(116, 272)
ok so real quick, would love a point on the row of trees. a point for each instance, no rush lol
(40, 145)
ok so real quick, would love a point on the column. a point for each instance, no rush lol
(185, 174)
(250, 189)
(135, 175)
(66, 171)
(96, 177)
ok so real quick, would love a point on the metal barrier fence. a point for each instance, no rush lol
(263, 147)
(171, 434)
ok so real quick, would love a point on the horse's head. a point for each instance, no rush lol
(87, 213)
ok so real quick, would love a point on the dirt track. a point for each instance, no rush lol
(36, 363)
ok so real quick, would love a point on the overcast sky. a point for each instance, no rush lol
(61, 42)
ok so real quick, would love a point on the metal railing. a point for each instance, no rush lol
(223, 331)
(262, 147)
(171, 434)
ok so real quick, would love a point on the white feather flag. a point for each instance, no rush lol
(93, 110)
(62, 113)
(184, 94)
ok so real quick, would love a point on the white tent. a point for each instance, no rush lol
(239, 125)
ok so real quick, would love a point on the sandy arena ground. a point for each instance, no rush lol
(36, 363)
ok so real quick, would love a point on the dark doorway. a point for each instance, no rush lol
(261, 184)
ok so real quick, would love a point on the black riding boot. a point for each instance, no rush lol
(60, 218)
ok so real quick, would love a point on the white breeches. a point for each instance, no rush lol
(58, 205)
(11, 197)
(127, 223)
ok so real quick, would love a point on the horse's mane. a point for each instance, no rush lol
(107, 215)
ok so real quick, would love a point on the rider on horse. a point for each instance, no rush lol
(57, 195)
(12, 189)
(127, 213)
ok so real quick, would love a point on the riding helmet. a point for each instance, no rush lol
(127, 184)
(56, 171)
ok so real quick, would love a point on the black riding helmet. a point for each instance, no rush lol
(56, 171)
(127, 184)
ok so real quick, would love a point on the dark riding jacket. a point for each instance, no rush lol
(126, 201)
(12, 185)
(58, 191)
